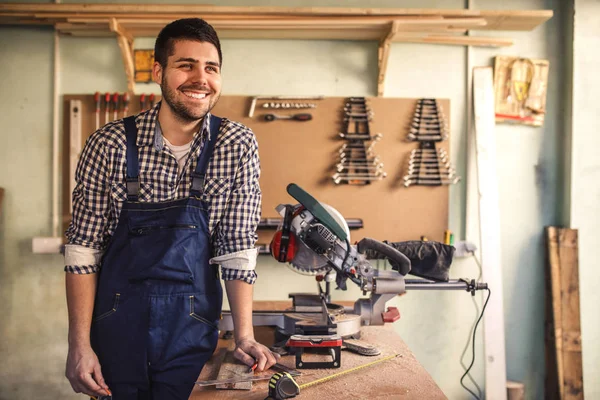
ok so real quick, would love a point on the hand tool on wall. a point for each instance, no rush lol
(357, 164)
(125, 104)
(152, 100)
(97, 103)
(115, 104)
(106, 107)
(288, 105)
(427, 165)
(142, 102)
(294, 117)
(256, 98)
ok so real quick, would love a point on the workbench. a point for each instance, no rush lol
(401, 377)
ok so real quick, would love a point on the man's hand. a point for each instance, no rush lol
(249, 351)
(83, 372)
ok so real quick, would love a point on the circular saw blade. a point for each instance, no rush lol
(306, 261)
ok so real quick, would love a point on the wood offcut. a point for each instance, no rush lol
(232, 368)
(564, 364)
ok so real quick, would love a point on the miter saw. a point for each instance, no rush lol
(314, 239)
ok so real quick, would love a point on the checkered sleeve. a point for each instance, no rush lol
(237, 228)
(243, 275)
(91, 203)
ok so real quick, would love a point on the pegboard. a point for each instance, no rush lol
(305, 153)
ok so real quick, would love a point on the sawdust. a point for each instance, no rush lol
(399, 378)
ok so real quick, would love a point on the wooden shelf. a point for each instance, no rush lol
(385, 25)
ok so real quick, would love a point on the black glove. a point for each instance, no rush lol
(429, 260)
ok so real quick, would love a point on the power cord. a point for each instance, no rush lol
(473, 344)
(471, 252)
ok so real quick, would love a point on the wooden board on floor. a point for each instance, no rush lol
(565, 323)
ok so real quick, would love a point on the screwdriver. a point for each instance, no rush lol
(296, 117)
(142, 102)
(115, 100)
(97, 101)
(106, 106)
(125, 104)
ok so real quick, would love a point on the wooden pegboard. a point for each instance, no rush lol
(305, 153)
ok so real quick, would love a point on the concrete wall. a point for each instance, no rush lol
(435, 325)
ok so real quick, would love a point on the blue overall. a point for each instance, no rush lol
(158, 300)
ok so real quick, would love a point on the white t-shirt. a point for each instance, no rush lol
(180, 153)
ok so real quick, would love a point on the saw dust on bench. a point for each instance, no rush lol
(402, 377)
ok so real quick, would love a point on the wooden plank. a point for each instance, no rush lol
(125, 41)
(527, 16)
(455, 40)
(75, 143)
(232, 368)
(384, 53)
(489, 227)
(554, 361)
(572, 384)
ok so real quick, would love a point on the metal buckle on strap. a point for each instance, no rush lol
(197, 182)
(133, 188)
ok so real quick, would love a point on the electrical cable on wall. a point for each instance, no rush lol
(462, 355)
(473, 346)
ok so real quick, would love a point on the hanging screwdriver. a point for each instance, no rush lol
(97, 101)
(152, 100)
(106, 106)
(125, 104)
(142, 102)
(115, 101)
(296, 117)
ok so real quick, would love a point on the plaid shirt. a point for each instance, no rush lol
(231, 186)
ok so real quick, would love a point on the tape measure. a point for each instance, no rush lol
(283, 386)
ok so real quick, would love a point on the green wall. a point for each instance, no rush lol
(435, 325)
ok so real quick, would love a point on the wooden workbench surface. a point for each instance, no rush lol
(402, 377)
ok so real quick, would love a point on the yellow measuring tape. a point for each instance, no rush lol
(305, 385)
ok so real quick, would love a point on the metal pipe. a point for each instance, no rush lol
(452, 284)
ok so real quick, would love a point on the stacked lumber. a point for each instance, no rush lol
(410, 25)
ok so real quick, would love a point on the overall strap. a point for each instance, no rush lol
(204, 157)
(133, 168)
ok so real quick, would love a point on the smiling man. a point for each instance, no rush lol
(163, 198)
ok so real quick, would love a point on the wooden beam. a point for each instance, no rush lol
(564, 375)
(125, 41)
(455, 40)
(384, 53)
(554, 336)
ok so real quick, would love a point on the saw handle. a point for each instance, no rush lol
(396, 258)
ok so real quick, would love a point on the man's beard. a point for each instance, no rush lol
(181, 110)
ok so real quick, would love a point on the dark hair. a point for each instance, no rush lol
(184, 29)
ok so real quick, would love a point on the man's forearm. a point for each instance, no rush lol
(239, 294)
(81, 293)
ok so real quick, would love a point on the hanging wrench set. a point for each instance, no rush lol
(427, 165)
(357, 163)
